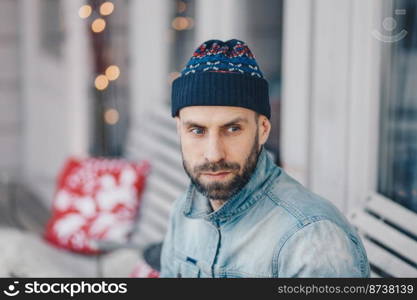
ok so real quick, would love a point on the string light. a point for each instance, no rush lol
(98, 25)
(85, 11)
(106, 8)
(182, 6)
(101, 82)
(182, 23)
(112, 72)
(111, 116)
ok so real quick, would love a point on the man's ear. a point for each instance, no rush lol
(264, 129)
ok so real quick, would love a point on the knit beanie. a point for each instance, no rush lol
(224, 74)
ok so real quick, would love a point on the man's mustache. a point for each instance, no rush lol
(216, 167)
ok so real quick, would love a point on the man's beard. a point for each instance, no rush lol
(224, 190)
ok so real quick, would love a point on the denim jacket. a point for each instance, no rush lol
(273, 227)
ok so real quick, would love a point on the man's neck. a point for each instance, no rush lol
(216, 204)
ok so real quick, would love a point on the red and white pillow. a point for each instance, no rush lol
(95, 199)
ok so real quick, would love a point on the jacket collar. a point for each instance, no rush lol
(197, 205)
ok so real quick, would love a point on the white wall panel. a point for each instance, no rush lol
(296, 93)
(330, 97)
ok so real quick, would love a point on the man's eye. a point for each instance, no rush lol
(198, 131)
(233, 129)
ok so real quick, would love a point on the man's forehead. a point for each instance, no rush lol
(215, 115)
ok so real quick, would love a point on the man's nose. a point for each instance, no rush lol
(215, 150)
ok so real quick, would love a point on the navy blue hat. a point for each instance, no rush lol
(221, 73)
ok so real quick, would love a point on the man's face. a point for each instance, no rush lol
(220, 147)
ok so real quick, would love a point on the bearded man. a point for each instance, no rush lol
(242, 215)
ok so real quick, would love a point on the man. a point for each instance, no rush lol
(243, 216)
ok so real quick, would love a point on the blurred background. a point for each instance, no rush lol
(91, 78)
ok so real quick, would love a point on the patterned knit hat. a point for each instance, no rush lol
(221, 73)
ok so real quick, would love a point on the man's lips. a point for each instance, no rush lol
(217, 175)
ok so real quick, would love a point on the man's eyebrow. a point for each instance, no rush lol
(234, 121)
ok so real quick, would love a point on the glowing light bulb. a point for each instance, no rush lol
(85, 11)
(182, 6)
(106, 8)
(182, 23)
(179, 23)
(101, 82)
(111, 116)
(98, 25)
(112, 72)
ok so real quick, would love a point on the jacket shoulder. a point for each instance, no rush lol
(301, 204)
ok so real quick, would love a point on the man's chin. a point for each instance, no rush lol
(218, 194)
(215, 190)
